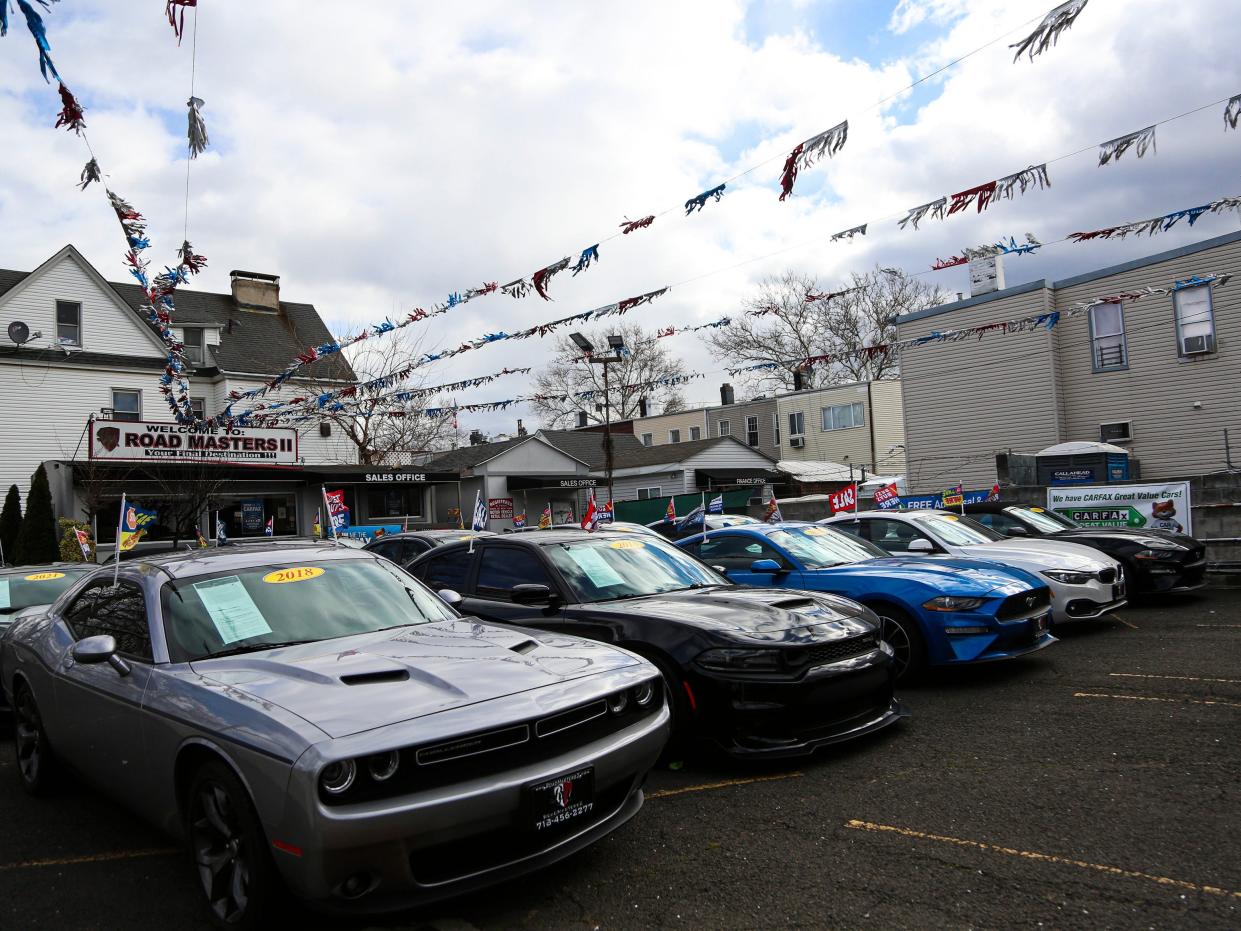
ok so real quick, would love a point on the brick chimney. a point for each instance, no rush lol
(256, 291)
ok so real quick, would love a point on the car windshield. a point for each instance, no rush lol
(819, 547)
(956, 531)
(603, 569)
(1044, 520)
(299, 601)
(37, 586)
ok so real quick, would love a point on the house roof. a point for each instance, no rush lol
(467, 457)
(256, 342)
(628, 451)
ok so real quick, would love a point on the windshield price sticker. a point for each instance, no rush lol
(232, 610)
(44, 576)
(626, 544)
(293, 574)
(595, 566)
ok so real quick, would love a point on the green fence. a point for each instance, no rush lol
(643, 512)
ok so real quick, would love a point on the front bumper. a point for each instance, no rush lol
(1088, 601)
(443, 842)
(780, 717)
(1159, 577)
(960, 640)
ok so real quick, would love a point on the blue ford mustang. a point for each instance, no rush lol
(935, 610)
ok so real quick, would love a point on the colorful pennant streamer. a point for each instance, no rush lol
(674, 331)
(850, 233)
(698, 201)
(1048, 31)
(630, 225)
(177, 22)
(1012, 247)
(1159, 224)
(1140, 141)
(828, 143)
(70, 116)
(917, 214)
(197, 131)
(34, 22)
(89, 173)
(1232, 113)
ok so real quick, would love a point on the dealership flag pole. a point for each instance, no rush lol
(120, 522)
(328, 509)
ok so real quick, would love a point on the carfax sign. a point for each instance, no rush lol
(1154, 507)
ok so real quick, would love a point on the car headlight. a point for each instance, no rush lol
(383, 766)
(643, 693)
(1154, 543)
(1069, 576)
(730, 659)
(336, 778)
(618, 703)
(952, 603)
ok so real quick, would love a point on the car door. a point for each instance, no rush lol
(894, 535)
(736, 553)
(100, 709)
(500, 568)
(449, 570)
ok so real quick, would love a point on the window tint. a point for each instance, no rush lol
(448, 571)
(1000, 523)
(892, 535)
(502, 567)
(118, 611)
(736, 552)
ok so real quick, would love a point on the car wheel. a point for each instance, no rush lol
(229, 848)
(901, 633)
(680, 725)
(35, 765)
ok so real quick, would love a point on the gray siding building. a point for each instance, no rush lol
(1159, 375)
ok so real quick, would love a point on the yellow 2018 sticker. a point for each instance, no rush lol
(293, 574)
(626, 544)
(949, 516)
(1037, 510)
(44, 576)
(815, 532)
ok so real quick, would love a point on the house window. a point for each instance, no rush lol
(797, 424)
(655, 491)
(1195, 321)
(695, 433)
(199, 407)
(844, 416)
(126, 404)
(726, 428)
(1107, 337)
(674, 436)
(648, 439)
(195, 349)
(751, 431)
(775, 429)
(69, 323)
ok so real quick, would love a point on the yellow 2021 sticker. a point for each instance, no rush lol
(1037, 510)
(293, 574)
(949, 516)
(815, 532)
(626, 544)
(44, 576)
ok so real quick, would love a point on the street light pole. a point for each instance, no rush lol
(617, 346)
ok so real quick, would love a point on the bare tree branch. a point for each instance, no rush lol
(646, 361)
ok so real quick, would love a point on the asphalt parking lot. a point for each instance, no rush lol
(1096, 784)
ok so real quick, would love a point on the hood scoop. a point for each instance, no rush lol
(379, 675)
(792, 604)
(524, 647)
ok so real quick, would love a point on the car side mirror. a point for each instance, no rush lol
(920, 546)
(529, 593)
(722, 570)
(766, 567)
(90, 651)
(1018, 530)
(450, 597)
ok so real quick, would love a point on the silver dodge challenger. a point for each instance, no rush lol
(311, 717)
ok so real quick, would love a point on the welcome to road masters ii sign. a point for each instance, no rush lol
(143, 441)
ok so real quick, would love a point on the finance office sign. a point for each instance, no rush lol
(143, 441)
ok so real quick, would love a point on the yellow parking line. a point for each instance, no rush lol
(1140, 675)
(668, 793)
(1041, 857)
(90, 858)
(1220, 626)
(1117, 617)
(1174, 701)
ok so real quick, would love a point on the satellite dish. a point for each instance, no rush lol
(19, 332)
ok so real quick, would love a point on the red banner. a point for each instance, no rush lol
(887, 496)
(844, 500)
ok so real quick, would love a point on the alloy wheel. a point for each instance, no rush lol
(28, 735)
(221, 851)
(897, 638)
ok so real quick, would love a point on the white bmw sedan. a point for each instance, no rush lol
(1084, 582)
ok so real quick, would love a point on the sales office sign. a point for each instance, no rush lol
(143, 441)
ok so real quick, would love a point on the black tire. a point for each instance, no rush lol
(902, 634)
(36, 765)
(229, 849)
(680, 725)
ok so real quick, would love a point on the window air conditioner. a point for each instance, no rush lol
(797, 442)
(1196, 345)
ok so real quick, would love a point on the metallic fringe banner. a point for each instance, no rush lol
(1113, 149)
(828, 143)
(1159, 224)
(1048, 31)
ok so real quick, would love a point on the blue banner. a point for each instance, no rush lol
(936, 502)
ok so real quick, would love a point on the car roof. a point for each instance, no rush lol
(430, 534)
(224, 558)
(44, 566)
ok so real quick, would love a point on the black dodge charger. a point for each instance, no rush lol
(1155, 561)
(759, 671)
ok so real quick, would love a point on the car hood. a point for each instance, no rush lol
(952, 575)
(1037, 555)
(373, 680)
(761, 614)
(1125, 535)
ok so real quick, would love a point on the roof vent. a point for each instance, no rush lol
(256, 290)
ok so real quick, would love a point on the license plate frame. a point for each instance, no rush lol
(559, 801)
(1041, 624)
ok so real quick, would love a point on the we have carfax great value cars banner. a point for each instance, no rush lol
(1153, 507)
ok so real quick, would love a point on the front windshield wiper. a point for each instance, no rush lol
(255, 647)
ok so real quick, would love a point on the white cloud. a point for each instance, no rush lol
(385, 158)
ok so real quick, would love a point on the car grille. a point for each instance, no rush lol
(1107, 576)
(1023, 604)
(835, 651)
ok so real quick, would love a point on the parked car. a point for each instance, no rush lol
(404, 548)
(944, 611)
(1155, 561)
(692, 523)
(23, 587)
(1084, 583)
(624, 526)
(315, 716)
(761, 672)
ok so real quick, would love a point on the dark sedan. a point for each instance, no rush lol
(403, 548)
(1155, 561)
(761, 672)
